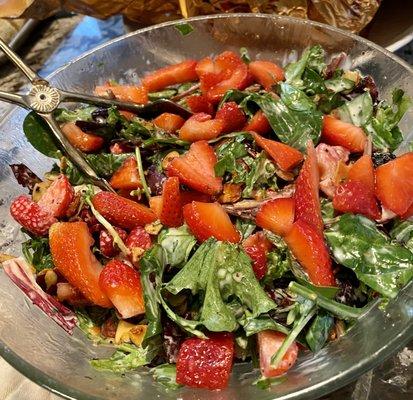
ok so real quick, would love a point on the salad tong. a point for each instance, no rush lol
(44, 99)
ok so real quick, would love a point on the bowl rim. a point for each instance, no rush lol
(314, 391)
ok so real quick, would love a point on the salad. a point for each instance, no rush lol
(262, 226)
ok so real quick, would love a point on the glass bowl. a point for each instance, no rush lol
(42, 351)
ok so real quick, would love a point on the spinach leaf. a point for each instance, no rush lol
(233, 95)
(245, 227)
(357, 111)
(36, 251)
(262, 323)
(39, 135)
(136, 128)
(165, 374)
(339, 84)
(278, 264)
(184, 28)
(402, 232)
(228, 153)
(318, 332)
(177, 244)
(357, 244)
(80, 114)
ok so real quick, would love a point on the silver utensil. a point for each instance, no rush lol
(43, 99)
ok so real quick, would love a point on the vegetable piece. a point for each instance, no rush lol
(25, 176)
(170, 75)
(257, 247)
(308, 247)
(207, 220)
(171, 210)
(340, 133)
(232, 116)
(70, 247)
(36, 251)
(86, 142)
(128, 93)
(357, 194)
(206, 363)
(357, 244)
(307, 199)
(31, 216)
(201, 127)
(199, 104)
(122, 284)
(268, 344)
(106, 244)
(58, 196)
(126, 177)
(258, 123)
(169, 122)
(188, 196)
(165, 374)
(285, 157)
(394, 184)
(122, 212)
(276, 215)
(196, 169)
(266, 73)
(319, 331)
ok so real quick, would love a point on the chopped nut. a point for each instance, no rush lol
(154, 228)
(352, 76)
(168, 158)
(39, 189)
(137, 253)
(122, 332)
(50, 278)
(5, 257)
(231, 193)
(109, 327)
(137, 334)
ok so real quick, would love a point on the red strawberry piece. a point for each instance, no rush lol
(308, 247)
(169, 122)
(170, 75)
(199, 104)
(276, 215)
(206, 363)
(171, 211)
(268, 344)
(122, 212)
(307, 200)
(126, 177)
(207, 220)
(196, 169)
(139, 238)
(266, 73)
(190, 196)
(106, 245)
(257, 247)
(357, 194)
(31, 216)
(258, 123)
(155, 204)
(201, 127)
(340, 133)
(408, 213)
(232, 116)
(122, 284)
(286, 157)
(86, 142)
(70, 244)
(133, 94)
(58, 196)
(394, 185)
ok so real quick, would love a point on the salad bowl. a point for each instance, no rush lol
(45, 353)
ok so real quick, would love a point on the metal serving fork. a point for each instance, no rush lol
(43, 99)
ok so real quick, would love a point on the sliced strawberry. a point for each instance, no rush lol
(266, 73)
(106, 245)
(232, 116)
(155, 204)
(190, 196)
(196, 169)
(258, 123)
(340, 133)
(170, 75)
(133, 94)
(227, 62)
(206, 363)
(308, 247)
(408, 213)
(257, 247)
(201, 127)
(122, 212)
(126, 177)
(199, 104)
(307, 200)
(357, 194)
(31, 216)
(207, 220)
(394, 184)
(70, 244)
(268, 344)
(86, 142)
(138, 237)
(169, 122)
(286, 157)
(171, 211)
(122, 284)
(276, 215)
(58, 196)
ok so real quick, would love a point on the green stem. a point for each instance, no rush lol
(338, 309)
(141, 173)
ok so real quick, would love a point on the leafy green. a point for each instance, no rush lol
(184, 28)
(318, 332)
(79, 114)
(146, 189)
(165, 374)
(264, 383)
(357, 244)
(402, 232)
(264, 322)
(228, 153)
(245, 227)
(162, 94)
(36, 251)
(278, 264)
(245, 55)
(177, 244)
(89, 321)
(234, 95)
(136, 128)
(327, 209)
(339, 84)
(358, 111)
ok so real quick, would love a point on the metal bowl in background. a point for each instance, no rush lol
(42, 351)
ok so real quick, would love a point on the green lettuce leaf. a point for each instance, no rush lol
(402, 232)
(80, 114)
(165, 374)
(317, 334)
(36, 251)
